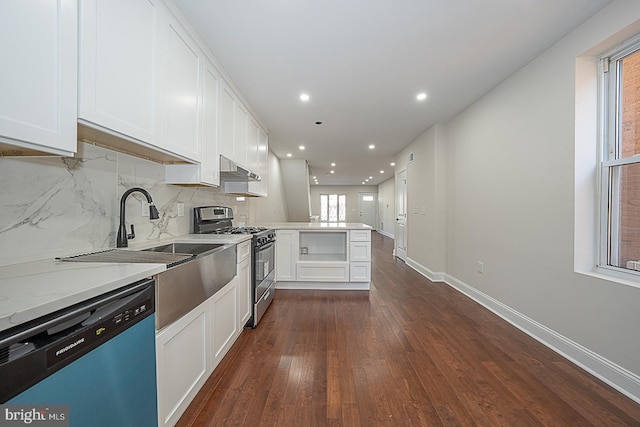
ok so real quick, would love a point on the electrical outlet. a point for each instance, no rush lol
(180, 209)
(145, 208)
(480, 267)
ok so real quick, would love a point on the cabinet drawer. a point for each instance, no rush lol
(323, 271)
(360, 272)
(244, 251)
(360, 235)
(360, 251)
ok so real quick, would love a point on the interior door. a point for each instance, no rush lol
(368, 208)
(401, 216)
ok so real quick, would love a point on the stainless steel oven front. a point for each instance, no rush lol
(263, 280)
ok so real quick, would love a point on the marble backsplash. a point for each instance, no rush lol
(53, 206)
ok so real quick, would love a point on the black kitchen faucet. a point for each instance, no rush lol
(122, 240)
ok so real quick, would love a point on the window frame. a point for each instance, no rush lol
(610, 160)
(338, 196)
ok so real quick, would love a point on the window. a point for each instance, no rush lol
(333, 207)
(620, 172)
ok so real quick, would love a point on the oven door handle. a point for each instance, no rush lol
(267, 246)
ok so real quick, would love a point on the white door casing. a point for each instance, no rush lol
(400, 249)
(368, 208)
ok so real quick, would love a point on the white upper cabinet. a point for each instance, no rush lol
(252, 145)
(38, 77)
(242, 120)
(210, 126)
(227, 122)
(207, 172)
(119, 66)
(181, 91)
(261, 162)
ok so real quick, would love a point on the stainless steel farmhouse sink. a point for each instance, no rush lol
(185, 248)
(195, 271)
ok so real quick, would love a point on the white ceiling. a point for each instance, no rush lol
(363, 61)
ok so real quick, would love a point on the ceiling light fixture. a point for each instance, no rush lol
(333, 164)
(332, 171)
(289, 154)
(421, 96)
(392, 164)
(301, 147)
(304, 97)
(370, 177)
(371, 146)
(381, 171)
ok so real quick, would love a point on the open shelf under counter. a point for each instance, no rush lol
(339, 257)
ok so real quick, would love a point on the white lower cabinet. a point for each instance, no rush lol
(244, 293)
(181, 363)
(224, 323)
(189, 349)
(333, 258)
(286, 255)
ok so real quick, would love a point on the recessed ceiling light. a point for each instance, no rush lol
(381, 171)
(370, 177)
(363, 183)
(392, 164)
(314, 177)
(421, 96)
(289, 154)
(333, 164)
(304, 97)
(332, 171)
(371, 146)
(301, 147)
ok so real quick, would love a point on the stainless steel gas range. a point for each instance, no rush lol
(219, 220)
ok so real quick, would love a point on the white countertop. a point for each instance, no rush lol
(315, 225)
(33, 289)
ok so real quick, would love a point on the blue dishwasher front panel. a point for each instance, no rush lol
(126, 363)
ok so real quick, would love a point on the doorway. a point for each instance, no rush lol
(368, 208)
(400, 249)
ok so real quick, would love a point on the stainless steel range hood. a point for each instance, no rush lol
(232, 172)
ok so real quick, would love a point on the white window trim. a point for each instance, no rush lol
(607, 146)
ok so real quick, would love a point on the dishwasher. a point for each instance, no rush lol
(91, 364)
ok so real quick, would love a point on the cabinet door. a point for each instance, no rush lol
(227, 122)
(286, 255)
(181, 358)
(38, 76)
(252, 144)
(360, 272)
(242, 123)
(181, 91)
(244, 293)
(261, 162)
(210, 167)
(119, 66)
(224, 321)
(360, 251)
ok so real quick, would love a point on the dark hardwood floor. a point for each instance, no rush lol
(408, 353)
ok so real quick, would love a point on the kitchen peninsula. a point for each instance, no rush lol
(319, 255)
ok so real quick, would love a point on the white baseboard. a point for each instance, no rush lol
(325, 286)
(616, 376)
(386, 233)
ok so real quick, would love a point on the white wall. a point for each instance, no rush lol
(387, 207)
(426, 199)
(295, 178)
(351, 191)
(509, 163)
(272, 208)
